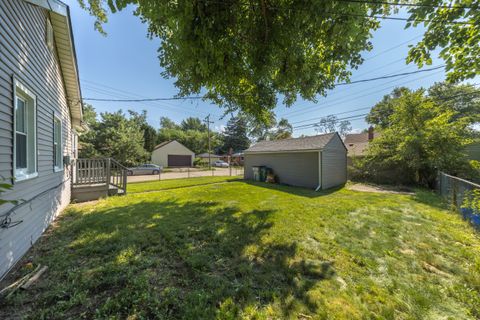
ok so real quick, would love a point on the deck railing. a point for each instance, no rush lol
(99, 171)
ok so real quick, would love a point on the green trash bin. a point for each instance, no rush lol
(256, 173)
(263, 173)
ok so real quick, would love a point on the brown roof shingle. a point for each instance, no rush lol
(293, 144)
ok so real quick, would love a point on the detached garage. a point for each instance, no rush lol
(172, 154)
(311, 162)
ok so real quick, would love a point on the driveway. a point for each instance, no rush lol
(186, 173)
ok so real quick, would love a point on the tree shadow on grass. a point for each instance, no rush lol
(297, 191)
(430, 198)
(167, 259)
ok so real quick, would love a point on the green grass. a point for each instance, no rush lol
(175, 183)
(254, 251)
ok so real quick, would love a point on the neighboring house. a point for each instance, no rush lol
(312, 162)
(41, 110)
(172, 154)
(357, 143)
(235, 159)
(205, 156)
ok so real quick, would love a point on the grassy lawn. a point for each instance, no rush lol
(175, 183)
(255, 251)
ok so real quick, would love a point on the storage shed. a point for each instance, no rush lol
(312, 162)
(172, 154)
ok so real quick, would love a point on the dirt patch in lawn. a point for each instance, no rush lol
(379, 189)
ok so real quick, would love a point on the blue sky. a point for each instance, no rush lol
(124, 65)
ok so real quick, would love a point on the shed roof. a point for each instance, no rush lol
(293, 144)
(164, 143)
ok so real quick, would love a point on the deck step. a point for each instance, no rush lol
(82, 193)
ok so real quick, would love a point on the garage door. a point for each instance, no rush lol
(179, 160)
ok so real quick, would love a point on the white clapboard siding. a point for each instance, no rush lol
(24, 56)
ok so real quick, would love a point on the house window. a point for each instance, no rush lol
(49, 35)
(57, 144)
(24, 143)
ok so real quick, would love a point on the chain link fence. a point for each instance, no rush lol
(182, 173)
(462, 195)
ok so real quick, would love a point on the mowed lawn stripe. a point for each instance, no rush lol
(135, 187)
(256, 251)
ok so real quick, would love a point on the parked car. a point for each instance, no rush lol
(221, 164)
(144, 169)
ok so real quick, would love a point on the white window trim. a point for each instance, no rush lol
(20, 175)
(56, 168)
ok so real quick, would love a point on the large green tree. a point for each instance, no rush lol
(464, 100)
(113, 135)
(87, 145)
(194, 139)
(192, 123)
(245, 54)
(149, 132)
(235, 135)
(120, 138)
(421, 138)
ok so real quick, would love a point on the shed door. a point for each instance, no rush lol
(179, 160)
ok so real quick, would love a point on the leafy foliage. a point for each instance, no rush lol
(235, 136)
(192, 123)
(471, 200)
(149, 132)
(456, 31)
(421, 138)
(4, 187)
(192, 133)
(115, 136)
(245, 54)
(269, 130)
(380, 113)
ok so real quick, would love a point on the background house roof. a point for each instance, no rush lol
(357, 143)
(293, 144)
(205, 155)
(164, 143)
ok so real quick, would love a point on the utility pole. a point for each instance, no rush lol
(207, 121)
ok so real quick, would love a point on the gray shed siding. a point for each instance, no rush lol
(24, 56)
(334, 163)
(293, 168)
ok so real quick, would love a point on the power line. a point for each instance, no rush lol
(419, 5)
(332, 114)
(313, 124)
(393, 48)
(354, 117)
(390, 76)
(329, 13)
(115, 92)
(202, 97)
(353, 97)
(146, 99)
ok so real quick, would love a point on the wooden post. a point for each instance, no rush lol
(108, 162)
(124, 172)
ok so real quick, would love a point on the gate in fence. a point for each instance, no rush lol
(462, 194)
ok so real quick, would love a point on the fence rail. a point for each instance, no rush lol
(181, 173)
(456, 191)
(99, 171)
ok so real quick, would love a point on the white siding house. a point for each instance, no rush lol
(40, 113)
